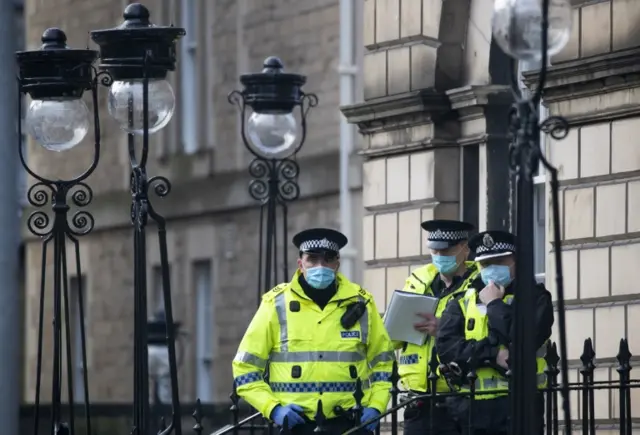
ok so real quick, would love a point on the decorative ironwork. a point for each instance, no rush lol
(274, 175)
(57, 72)
(586, 387)
(197, 416)
(140, 53)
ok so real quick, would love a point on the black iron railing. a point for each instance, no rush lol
(585, 387)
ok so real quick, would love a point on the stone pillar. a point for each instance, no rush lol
(483, 116)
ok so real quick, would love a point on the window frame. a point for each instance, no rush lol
(189, 77)
(539, 182)
(205, 324)
(158, 290)
(77, 286)
(163, 384)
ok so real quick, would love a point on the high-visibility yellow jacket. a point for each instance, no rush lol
(310, 355)
(489, 379)
(413, 366)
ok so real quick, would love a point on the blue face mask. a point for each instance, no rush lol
(320, 277)
(445, 263)
(499, 274)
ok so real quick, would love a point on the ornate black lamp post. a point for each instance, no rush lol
(56, 77)
(274, 136)
(138, 55)
(532, 30)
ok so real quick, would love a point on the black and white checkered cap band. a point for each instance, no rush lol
(499, 247)
(439, 235)
(319, 244)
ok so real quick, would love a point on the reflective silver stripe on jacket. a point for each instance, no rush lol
(466, 301)
(540, 353)
(381, 357)
(281, 310)
(541, 378)
(250, 358)
(493, 383)
(364, 323)
(488, 384)
(317, 356)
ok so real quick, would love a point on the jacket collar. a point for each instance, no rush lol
(345, 288)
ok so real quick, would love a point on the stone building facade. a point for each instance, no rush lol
(434, 144)
(434, 125)
(212, 220)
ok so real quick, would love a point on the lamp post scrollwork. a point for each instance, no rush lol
(56, 78)
(139, 55)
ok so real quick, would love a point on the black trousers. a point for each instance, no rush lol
(419, 420)
(491, 416)
(334, 426)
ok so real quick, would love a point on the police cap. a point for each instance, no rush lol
(443, 234)
(320, 241)
(492, 244)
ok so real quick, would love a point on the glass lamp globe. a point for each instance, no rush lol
(517, 27)
(272, 135)
(162, 103)
(58, 124)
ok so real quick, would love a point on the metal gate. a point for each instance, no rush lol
(583, 394)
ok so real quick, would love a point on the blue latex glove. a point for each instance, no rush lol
(368, 414)
(290, 412)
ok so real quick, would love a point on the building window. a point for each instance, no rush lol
(540, 229)
(162, 384)
(540, 212)
(189, 77)
(204, 330)
(77, 290)
(157, 302)
(539, 206)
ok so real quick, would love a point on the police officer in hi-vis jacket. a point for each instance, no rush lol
(448, 275)
(477, 328)
(319, 333)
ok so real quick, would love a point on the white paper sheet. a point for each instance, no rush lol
(402, 313)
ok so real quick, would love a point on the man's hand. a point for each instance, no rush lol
(291, 413)
(491, 292)
(368, 414)
(501, 359)
(429, 324)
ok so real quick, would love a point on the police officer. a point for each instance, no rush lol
(447, 275)
(319, 333)
(478, 328)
